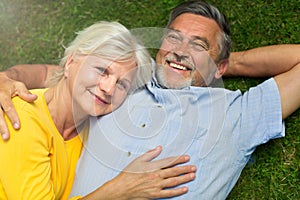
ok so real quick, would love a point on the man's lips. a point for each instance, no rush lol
(178, 66)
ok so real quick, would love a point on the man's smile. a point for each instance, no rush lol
(179, 66)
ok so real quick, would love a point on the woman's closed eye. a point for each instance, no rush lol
(101, 70)
(123, 85)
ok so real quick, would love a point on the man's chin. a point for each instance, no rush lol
(177, 82)
(174, 84)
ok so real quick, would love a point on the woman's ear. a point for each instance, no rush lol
(222, 67)
(68, 64)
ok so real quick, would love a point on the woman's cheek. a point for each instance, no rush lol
(118, 99)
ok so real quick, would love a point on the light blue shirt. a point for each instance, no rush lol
(218, 128)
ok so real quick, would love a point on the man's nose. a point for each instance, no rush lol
(182, 49)
(107, 85)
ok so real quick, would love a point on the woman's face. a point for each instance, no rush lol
(98, 85)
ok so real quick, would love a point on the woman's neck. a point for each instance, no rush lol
(59, 102)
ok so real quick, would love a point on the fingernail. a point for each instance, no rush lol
(193, 175)
(186, 158)
(158, 147)
(16, 126)
(4, 136)
(184, 189)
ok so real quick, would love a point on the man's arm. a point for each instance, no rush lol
(12, 84)
(281, 61)
(265, 61)
(32, 75)
(289, 88)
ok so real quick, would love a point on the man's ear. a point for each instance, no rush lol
(222, 67)
(68, 64)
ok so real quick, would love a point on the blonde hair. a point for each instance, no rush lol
(112, 41)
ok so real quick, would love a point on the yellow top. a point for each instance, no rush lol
(36, 163)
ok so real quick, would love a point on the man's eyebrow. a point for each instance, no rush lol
(203, 39)
(196, 37)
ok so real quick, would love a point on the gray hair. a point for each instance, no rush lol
(207, 10)
(112, 41)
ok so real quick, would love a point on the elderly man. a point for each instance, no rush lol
(218, 128)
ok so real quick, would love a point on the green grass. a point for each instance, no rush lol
(34, 31)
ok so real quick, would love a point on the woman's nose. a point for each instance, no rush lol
(107, 85)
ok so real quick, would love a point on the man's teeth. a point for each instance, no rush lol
(178, 66)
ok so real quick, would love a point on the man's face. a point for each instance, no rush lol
(188, 51)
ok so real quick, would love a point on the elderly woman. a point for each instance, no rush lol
(100, 67)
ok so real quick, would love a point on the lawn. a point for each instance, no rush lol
(34, 31)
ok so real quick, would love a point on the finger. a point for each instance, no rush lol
(10, 111)
(176, 171)
(150, 155)
(3, 127)
(27, 96)
(172, 192)
(170, 161)
(174, 181)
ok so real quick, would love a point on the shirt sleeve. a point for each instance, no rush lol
(25, 169)
(261, 116)
(75, 198)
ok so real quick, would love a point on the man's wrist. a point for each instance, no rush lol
(9, 73)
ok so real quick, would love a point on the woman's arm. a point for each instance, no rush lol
(143, 179)
(25, 169)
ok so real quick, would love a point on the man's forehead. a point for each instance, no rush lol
(194, 25)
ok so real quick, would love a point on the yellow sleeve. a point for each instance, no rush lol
(25, 170)
(75, 198)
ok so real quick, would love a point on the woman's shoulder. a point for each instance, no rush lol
(36, 111)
